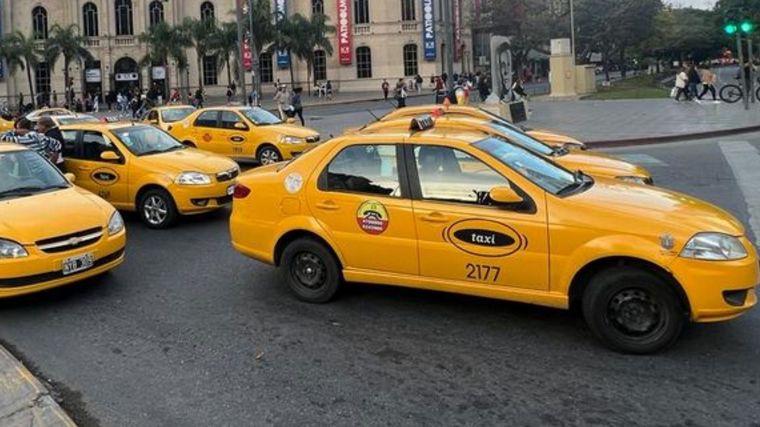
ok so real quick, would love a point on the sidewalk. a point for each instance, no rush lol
(24, 401)
(646, 119)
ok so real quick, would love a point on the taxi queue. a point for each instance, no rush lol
(467, 202)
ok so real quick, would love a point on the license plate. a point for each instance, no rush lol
(231, 190)
(78, 263)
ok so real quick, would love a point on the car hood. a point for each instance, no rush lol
(646, 209)
(599, 164)
(29, 219)
(555, 138)
(291, 130)
(188, 160)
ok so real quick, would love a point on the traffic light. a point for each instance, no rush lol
(747, 26)
(730, 29)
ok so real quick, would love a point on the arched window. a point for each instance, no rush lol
(42, 79)
(407, 10)
(210, 69)
(90, 20)
(207, 10)
(266, 70)
(156, 11)
(410, 60)
(123, 11)
(39, 23)
(320, 65)
(363, 63)
(361, 11)
(317, 7)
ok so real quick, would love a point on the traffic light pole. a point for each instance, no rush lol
(741, 70)
(241, 72)
(751, 69)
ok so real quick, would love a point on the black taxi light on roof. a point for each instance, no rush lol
(422, 123)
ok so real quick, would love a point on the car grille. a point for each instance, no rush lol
(312, 139)
(71, 241)
(37, 279)
(228, 175)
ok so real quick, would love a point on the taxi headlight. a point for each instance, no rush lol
(292, 140)
(633, 179)
(714, 247)
(10, 250)
(116, 224)
(193, 178)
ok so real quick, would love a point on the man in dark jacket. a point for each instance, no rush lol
(694, 80)
(47, 127)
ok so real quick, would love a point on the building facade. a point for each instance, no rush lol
(376, 40)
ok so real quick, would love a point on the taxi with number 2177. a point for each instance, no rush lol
(471, 214)
(138, 167)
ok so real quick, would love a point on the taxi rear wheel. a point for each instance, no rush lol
(268, 155)
(633, 310)
(157, 209)
(311, 270)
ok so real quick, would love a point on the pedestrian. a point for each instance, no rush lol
(329, 90)
(22, 134)
(484, 88)
(418, 80)
(233, 86)
(386, 87)
(400, 93)
(229, 94)
(199, 98)
(280, 98)
(20, 101)
(253, 97)
(47, 127)
(296, 104)
(96, 103)
(694, 80)
(709, 78)
(682, 81)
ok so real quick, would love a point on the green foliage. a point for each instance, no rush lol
(639, 87)
(21, 52)
(164, 42)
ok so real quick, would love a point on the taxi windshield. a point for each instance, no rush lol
(176, 114)
(260, 116)
(521, 138)
(24, 173)
(538, 170)
(145, 140)
(76, 119)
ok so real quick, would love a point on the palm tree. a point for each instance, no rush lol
(315, 33)
(287, 33)
(199, 30)
(263, 32)
(66, 42)
(164, 42)
(21, 52)
(225, 46)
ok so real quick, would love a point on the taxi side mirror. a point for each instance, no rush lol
(240, 126)
(70, 177)
(109, 156)
(504, 195)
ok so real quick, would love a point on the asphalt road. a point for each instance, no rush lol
(189, 333)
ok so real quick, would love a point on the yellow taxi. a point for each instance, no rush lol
(593, 163)
(42, 247)
(52, 112)
(472, 214)
(545, 136)
(165, 117)
(140, 168)
(5, 125)
(69, 119)
(244, 133)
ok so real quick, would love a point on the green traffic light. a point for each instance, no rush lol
(730, 29)
(747, 27)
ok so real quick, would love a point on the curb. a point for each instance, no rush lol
(671, 138)
(24, 401)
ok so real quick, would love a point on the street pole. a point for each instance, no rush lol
(255, 58)
(449, 37)
(751, 92)
(241, 69)
(572, 30)
(741, 69)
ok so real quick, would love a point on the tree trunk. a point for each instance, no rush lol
(308, 77)
(31, 85)
(290, 66)
(69, 99)
(622, 63)
(229, 72)
(200, 71)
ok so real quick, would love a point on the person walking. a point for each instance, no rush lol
(386, 87)
(709, 78)
(400, 93)
(296, 104)
(694, 80)
(96, 103)
(280, 98)
(229, 95)
(418, 80)
(199, 97)
(682, 81)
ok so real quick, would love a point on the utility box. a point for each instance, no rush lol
(562, 66)
(585, 79)
(560, 47)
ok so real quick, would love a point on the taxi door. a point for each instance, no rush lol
(461, 237)
(107, 179)
(360, 202)
(233, 133)
(205, 132)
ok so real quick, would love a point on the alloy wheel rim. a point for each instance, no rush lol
(155, 210)
(634, 313)
(309, 270)
(269, 156)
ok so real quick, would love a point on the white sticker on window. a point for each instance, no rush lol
(293, 183)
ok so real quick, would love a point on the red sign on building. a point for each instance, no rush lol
(245, 46)
(457, 5)
(344, 31)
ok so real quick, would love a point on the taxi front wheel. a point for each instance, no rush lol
(157, 209)
(633, 310)
(268, 155)
(311, 270)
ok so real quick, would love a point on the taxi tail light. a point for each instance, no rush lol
(241, 191)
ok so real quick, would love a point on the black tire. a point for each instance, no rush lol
(157, 209)
(633, 311)
(268, 155)
(731, 94)
(311, 271)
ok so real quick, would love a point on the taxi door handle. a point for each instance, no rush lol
(84, 168)
(434, 217)
(328, 205)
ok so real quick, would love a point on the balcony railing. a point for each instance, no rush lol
(409, 27)
(125, 41)
(92, 42)
(361, 29)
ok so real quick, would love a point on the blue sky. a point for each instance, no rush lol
(702, 4)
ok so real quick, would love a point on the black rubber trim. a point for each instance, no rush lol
(17, 282)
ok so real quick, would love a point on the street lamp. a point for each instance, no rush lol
(572, 30)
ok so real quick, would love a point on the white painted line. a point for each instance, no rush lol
(745, 163)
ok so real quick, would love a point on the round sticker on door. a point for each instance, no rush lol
(372, 217)
(293, 183)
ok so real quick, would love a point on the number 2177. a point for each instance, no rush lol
(483, 273)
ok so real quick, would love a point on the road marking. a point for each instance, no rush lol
(641, 159)
(744, 160)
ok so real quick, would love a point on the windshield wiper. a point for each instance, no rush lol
(580, 180)
(559, 151)
(30, 190)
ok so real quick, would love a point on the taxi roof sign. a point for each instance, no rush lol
(422, 123)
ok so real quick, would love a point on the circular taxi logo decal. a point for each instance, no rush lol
(293, 183)
(207, 137)
(485, 238)
(372, 217)
(104, 176)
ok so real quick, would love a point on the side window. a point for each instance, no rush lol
(368, 169)
(229, 118)
(69, 143)
(448, 174)
(93, 144)
(207, 119)
(153, 115)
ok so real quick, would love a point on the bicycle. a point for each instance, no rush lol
(732, 93)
